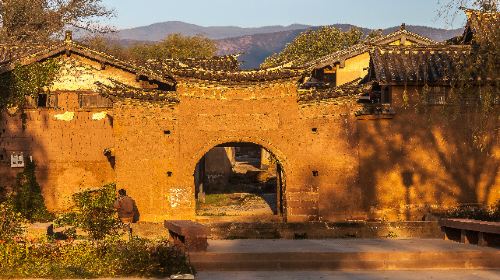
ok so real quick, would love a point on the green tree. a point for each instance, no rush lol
(27, 196)
(313, 44)
(176, 46)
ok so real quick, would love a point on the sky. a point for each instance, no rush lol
(254, 13)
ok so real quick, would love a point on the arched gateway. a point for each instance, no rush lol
(159, 142)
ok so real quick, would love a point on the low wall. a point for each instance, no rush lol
(318, 230)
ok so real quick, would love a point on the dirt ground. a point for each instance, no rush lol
(250, 192)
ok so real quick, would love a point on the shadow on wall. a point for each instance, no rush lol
(20, 138)
(422, 161)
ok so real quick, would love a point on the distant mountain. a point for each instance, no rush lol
(158, 31)
(255, 48)
(255, 43)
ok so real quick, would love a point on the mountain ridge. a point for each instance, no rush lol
(255, 43)
(158, 31)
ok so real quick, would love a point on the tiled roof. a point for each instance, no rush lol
(9, 54)
(13, 56)
(120, 90)
(360, 48)
(222, 69)
(216, 63)
(332, 93)
(415, 65)
(226, 77)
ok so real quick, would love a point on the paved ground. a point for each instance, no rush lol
(338, 245)
(353, 275)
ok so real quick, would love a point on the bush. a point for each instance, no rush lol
(94, 213)
(27, 196)
(87, 259)
(11, 222)
(475, 212)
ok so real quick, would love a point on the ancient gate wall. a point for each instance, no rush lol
(319, 167)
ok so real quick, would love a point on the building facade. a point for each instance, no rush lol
(147, 127)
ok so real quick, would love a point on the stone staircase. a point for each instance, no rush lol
(343, 254)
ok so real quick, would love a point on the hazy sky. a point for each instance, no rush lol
(248, 13)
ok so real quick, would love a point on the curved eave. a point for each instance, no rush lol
(122, 91)
(239, 77)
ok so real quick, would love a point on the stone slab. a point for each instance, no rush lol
(349, 275)
(344, 254)
(473, 225)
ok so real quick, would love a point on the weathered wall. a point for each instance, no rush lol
(354, 68)
(66, 142)
(218, 167)
(420, 161)
(68, 151)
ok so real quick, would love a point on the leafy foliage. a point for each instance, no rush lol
(27, 196)
(11, 222)
(176, 46)
(475, 212)
(93, 212)
(450, 8)
(28, 80)
(86, 259)
(24, 21)
(313, 44)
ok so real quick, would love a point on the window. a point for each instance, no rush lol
(42, 100)
(89, 101)
(436, 96)
(17, 160)
(386, 96)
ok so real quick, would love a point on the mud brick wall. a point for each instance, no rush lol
(417, 162)
(67, 148)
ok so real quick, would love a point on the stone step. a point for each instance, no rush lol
(343, 261)
(354, 254)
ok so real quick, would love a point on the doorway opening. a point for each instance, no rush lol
(240, 180)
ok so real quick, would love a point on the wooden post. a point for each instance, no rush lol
(445, 235)
(481, 241)
(463, 236)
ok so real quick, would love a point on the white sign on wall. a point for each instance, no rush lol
(17, 160)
